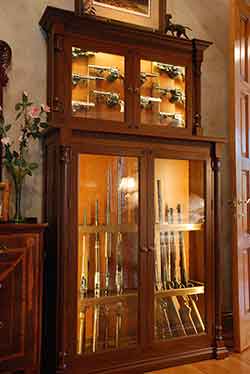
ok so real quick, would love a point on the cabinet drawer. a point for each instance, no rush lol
(15, 241)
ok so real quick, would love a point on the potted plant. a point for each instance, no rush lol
(32, 120)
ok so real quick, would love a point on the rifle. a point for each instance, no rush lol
(78, 52)
(200, 327)
(96, 327)
(162, 238)
(111, 98)
(174, 72)
(146, 101)
(76, 78)
(113, 73)
(167, 327)
(82, 331)
(171, 309)
(144, 76)
(168, 253)
(189, 310)
(118, 325)
(97, 280)
(177, 119)
(108, 235)
(85, 260)
(81, 106)
(177, 96)
(183, 268)
(173, 248)
(119, 264)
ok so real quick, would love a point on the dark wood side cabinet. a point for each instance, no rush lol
(133, 201)
(21, 272)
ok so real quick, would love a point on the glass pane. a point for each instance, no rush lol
(107, 253)
(180, 248)
(163, 100)
(97, 85)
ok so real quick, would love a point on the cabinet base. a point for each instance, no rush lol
(152, 364)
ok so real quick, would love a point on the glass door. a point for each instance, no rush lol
(179, 235)
(108, 199)
(163, 94)
(98, 85)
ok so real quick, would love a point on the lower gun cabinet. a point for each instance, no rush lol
(21, 265)
(134, 257)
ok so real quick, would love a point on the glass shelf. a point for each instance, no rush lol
(123, 228)
(106, 299)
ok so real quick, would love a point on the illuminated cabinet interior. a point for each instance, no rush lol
(132, 194)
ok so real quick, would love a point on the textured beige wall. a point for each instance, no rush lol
(19, 27)
(208, 19)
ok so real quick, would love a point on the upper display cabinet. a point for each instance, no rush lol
(113, 78)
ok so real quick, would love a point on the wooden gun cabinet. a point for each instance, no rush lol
(132, 200)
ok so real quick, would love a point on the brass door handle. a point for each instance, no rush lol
(151, 249)
(3, 248)
(130, 89)
(144, 249)
(136, 90)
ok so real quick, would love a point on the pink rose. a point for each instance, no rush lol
(34, 112)
(45, 108)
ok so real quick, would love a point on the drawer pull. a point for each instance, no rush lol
(3, 248)
(1, 324)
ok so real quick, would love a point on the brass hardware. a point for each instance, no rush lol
(130, 89)
(144, 249)
(58, 105)
(136, 90)
(151, 249)
(3, 248)
(1, 324)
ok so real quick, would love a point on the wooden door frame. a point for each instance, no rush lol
(234, 142)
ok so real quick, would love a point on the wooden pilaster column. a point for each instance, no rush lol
(220, 349)
(64, 243)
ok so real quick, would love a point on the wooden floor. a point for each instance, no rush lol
(234, 364)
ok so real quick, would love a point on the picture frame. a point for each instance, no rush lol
(151, 15)
(4, 201)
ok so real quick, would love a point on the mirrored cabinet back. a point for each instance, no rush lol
(133, 201)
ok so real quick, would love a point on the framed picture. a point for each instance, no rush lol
(4, 201)
(137, 12)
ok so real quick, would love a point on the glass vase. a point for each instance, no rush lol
(18, 218)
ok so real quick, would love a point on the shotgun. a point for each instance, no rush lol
(162, 237)
(119, 243)
(108, 234)
(97, 278)
(85, 260)
(173, 249)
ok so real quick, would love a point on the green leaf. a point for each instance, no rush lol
(15, 154)
(18, 106)
(44, 125)
(19, 115)
(33, 166)
(25, 99)
(29, 172)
